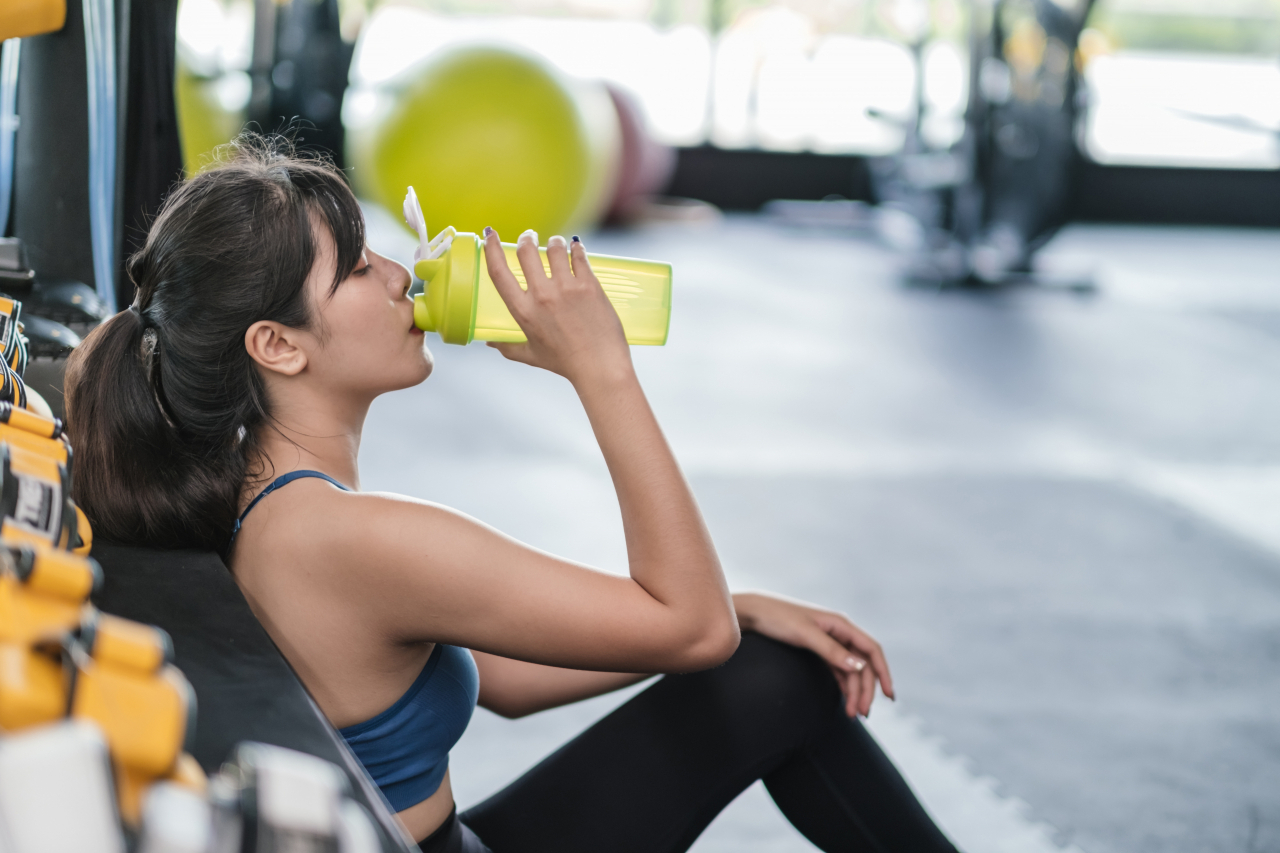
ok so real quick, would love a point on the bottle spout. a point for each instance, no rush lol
(422, 314)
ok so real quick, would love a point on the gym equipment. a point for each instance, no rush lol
(245, 689)
(35, 498)
(151, 156)
(66, 302)
(10, 53)
(56, 797)
(35, 474)
(645, 166)
(984, 206)
(15, 432)
(36, 336)
(293, 801)
(100, 62)
(61, 657)
(461, 303)
(124, 682)
(71, 85)
(45, 338)
(21, 18)
(60, 300)
(491, 136)
(55, 792)
(306, 72)
(13, 346)
(103, 717)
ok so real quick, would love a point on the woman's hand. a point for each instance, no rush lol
(572, 328)
(855, 658)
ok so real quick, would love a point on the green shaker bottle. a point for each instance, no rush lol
(461, 304)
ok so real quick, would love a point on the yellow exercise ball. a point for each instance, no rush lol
(488, 135)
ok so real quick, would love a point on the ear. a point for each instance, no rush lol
(276, 347)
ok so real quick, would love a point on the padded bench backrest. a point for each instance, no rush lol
(245, 690)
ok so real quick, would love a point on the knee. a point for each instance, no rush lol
(769, 677)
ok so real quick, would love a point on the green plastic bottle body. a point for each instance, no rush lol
(458, 285)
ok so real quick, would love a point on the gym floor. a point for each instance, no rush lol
(1059, 512)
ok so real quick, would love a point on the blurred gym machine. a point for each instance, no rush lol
(299, 72)
(89, 143)
(88, 148)
(978, 210)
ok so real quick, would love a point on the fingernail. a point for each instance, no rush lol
(575, 239)
(487, 231)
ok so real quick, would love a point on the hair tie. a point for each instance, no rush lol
(150, 341)
(137, 307)
(149, 353)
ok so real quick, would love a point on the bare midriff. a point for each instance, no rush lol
(430, 814)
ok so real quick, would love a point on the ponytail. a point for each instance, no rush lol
(135, 479)
(164, 404)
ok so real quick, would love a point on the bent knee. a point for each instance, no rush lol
(766, 674)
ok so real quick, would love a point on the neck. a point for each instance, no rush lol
(320, 435)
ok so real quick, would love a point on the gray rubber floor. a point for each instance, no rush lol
(1046, 505)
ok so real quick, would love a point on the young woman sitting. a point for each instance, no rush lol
(224, 410)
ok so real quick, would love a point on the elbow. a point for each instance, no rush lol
(714, 645)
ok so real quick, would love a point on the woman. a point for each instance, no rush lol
(224, 411)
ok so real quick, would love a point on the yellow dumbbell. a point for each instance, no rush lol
(35, 499)
(42, 595)
(124, 683)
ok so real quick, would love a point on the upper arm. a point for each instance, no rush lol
(420, 571)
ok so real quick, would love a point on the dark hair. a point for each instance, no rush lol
(163, 401)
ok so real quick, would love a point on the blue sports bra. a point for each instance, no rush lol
(406, 747)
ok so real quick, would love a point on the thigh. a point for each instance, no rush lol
(651, 775)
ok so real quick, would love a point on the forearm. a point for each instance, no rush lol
(514, 688)
(669, 549)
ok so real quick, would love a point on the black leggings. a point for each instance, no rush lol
(650, 776)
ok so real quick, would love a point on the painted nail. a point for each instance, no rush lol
(575, 239)
(487, 231)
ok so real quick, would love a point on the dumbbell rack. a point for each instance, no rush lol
(96, 722)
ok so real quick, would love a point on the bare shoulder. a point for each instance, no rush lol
(376, 546)
(343, 526)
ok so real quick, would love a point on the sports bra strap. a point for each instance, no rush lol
(282, 480)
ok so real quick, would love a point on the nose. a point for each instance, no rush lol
(400, 278)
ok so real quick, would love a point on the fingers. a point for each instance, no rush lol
(535, 274)
(868, 685)
(855, 638)
(836, 655)
(504, 281)
(578, 253)
(558, 257)
(851, 687)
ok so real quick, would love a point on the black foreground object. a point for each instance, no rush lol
(245, 690)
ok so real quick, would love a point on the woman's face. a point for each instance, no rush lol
(366, 340)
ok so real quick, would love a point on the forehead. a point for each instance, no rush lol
(324, 268)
